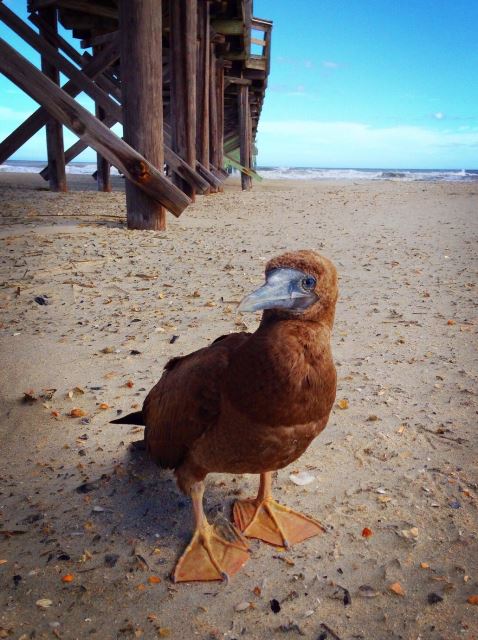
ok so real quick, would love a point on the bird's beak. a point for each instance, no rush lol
(282, 290)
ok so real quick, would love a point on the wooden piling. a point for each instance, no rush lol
(54, 129)
(203, 64)
(220, 112)
(141, 40)
(214, 153)
(103, 167)
(245, 135)
(183, 53)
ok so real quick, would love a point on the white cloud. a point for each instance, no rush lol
(356, 144)
(439, 115)
(329, 64)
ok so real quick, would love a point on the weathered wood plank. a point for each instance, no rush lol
(62, 107)
(39, 118)
(54, 130)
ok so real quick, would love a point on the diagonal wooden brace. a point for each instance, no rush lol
(40, 117)
(63, 108)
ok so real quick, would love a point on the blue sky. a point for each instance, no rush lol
(371, 83)
(354, 83)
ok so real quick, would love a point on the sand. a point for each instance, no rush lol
(398, 460)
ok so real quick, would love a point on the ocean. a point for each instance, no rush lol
(35, 166)
(288, 173)
(405, 175)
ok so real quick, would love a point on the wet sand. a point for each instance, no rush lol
(399, 460)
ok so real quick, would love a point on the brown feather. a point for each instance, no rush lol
(186, 400)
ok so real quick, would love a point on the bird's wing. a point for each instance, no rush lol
(187, 400)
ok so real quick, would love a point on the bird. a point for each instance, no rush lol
(248, 403)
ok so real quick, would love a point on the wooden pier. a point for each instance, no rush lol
(185, 78)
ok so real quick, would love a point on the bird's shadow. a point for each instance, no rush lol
(143, 502)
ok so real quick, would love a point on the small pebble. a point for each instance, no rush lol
(434, 598)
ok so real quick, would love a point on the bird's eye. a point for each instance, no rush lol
(308, 283)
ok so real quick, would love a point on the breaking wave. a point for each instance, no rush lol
(410, 175)
(34, 166)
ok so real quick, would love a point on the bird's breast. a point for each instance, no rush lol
(245, 448)
(282, 382)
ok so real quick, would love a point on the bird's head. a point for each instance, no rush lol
(298, 284)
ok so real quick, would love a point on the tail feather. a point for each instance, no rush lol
(132, 418)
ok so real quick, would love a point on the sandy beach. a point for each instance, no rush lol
(90, 529)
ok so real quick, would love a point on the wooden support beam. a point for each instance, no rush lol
(245, 135)
(193, 177)
(141, 62)
(82, 82)
(54, 129)
(232, 27)
(83, 124)
(220, 112)
(51, 55)
(107, 84)
(203, 61)
(183, 52)
(85, 6)
(70, 154)
(40, 117)
(232, 80)
(209, 176)
(40, 4)
(103, 167)
(220, 174)
(97, 40)
(213, 112)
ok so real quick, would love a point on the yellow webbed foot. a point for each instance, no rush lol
(274, 523)
(214, 553)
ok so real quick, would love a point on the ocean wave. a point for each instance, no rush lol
(36, 167)
(406, 175)
(288, 173)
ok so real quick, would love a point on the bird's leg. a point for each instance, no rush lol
(267, 520)
(213, 553)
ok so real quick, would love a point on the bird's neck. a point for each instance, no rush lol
(274, 317)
